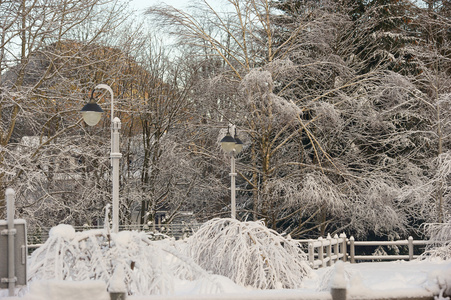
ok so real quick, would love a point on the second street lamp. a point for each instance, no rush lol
(232, 145)
(92, 113)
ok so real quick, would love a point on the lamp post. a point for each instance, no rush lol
(92, 113)
(232, 145)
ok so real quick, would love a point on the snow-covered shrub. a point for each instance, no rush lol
(439, 240)
(147, 267)
(249, 253)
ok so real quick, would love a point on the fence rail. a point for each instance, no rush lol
(410, 243)
(325, 252)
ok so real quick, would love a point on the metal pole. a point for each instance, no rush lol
(108, 88)
(10, 195)
(232, 184)
(410, 241)
(115, 155)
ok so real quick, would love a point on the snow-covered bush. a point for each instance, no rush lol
(249, 253)
(147, 267)
(439, 240)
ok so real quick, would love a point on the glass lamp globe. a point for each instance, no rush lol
(228, 143)
(91, 113)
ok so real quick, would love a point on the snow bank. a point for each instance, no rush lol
(63, 231)
(68, 290)
(364, 280)
(439, 280)
(400, 279)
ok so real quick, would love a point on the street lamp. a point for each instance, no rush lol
(232, 145)
(92, 113)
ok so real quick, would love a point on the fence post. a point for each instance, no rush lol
(321, 252)
(329, 249)
(352, 249)
(336, 252)
(410, 240)
(311, 253)
(343, 245)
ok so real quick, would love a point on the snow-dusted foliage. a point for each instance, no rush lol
(319, 189)
(258, 87)
(332, 121)
(440, 240)
(249, 253)
(146, 267)
(442, 164)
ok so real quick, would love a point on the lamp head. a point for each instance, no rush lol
(228, 142)
(91, 112)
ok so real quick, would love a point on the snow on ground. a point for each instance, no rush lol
(389, 279)
(67, 264)
(375, 280)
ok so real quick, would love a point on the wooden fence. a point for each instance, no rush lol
(325, 252)
(322, 252)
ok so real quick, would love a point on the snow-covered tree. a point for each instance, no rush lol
(339, 134)
(41, 44)
(439, 240)
(431, 55)
(249, 253)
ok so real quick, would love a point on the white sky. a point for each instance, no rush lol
(180, 4)
(143, 4)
